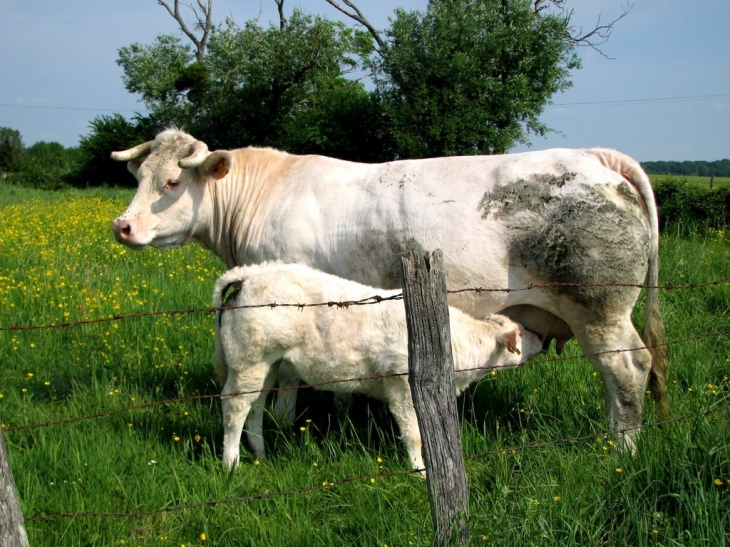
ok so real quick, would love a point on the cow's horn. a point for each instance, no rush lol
(196, 157)
(133, 153)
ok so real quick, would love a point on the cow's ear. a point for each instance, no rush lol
(509, 340)
(217, 164)
(134, 165)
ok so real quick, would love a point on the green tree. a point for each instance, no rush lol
(154, 72)
(11, 148)
(465, 77)
(262, 86)
(109, 133)
(471, 76)
(343, 121)
(46, 165)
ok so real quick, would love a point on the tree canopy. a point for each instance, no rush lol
(463, 77)
(11, 148)
(719, 168)
(470, 76)
(277, 86)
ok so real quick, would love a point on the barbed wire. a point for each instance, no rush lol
(531, 286)
(342, 381)
(375, 299)
(595, 436)
(382, 474)
(213, 503)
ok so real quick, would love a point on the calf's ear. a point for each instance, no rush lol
(217, 164)
(509, 340)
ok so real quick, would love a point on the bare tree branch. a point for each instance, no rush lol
(282, 18)
(593, 38)
(204, 19)
(357, 15)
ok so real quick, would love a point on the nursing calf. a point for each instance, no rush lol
(324, 344)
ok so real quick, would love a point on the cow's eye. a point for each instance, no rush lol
(172, 183)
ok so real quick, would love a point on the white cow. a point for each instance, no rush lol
(555, 216)
(324, 344)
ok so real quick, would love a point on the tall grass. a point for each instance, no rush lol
(58, 263)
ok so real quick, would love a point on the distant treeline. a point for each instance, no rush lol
(719, 168)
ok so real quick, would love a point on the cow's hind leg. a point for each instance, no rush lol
(624, 374)
(236, 408)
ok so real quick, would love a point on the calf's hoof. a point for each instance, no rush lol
(230, 462)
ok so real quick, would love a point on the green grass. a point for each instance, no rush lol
(58, 262)
(699, 181)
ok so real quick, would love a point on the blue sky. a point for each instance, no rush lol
(664, 95)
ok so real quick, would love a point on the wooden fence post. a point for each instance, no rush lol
(431, 377)
(12, 526)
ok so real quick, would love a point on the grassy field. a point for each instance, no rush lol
(699, 181)
(59, 263)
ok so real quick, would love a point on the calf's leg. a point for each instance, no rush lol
(285, 409)
(255, 422)
(400, 403)
(236, 408)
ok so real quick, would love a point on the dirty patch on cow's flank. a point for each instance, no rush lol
(630, 196)
(377, 259)
(579, 240)
(530, 194)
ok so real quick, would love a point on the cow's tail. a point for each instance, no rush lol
(653, 334)
(232, 278)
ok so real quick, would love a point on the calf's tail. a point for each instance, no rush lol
(231, 278)
(653, 333)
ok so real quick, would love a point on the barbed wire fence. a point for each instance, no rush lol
(375, 299)
(191, 398)
(344, 304)
(381, 474)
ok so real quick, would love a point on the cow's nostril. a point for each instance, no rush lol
(126, 230)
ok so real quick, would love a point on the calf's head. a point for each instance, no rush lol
(518, 344)
(172, 172)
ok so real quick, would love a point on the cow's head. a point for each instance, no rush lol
(172, 172)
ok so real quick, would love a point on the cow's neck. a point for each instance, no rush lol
(236, 205)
